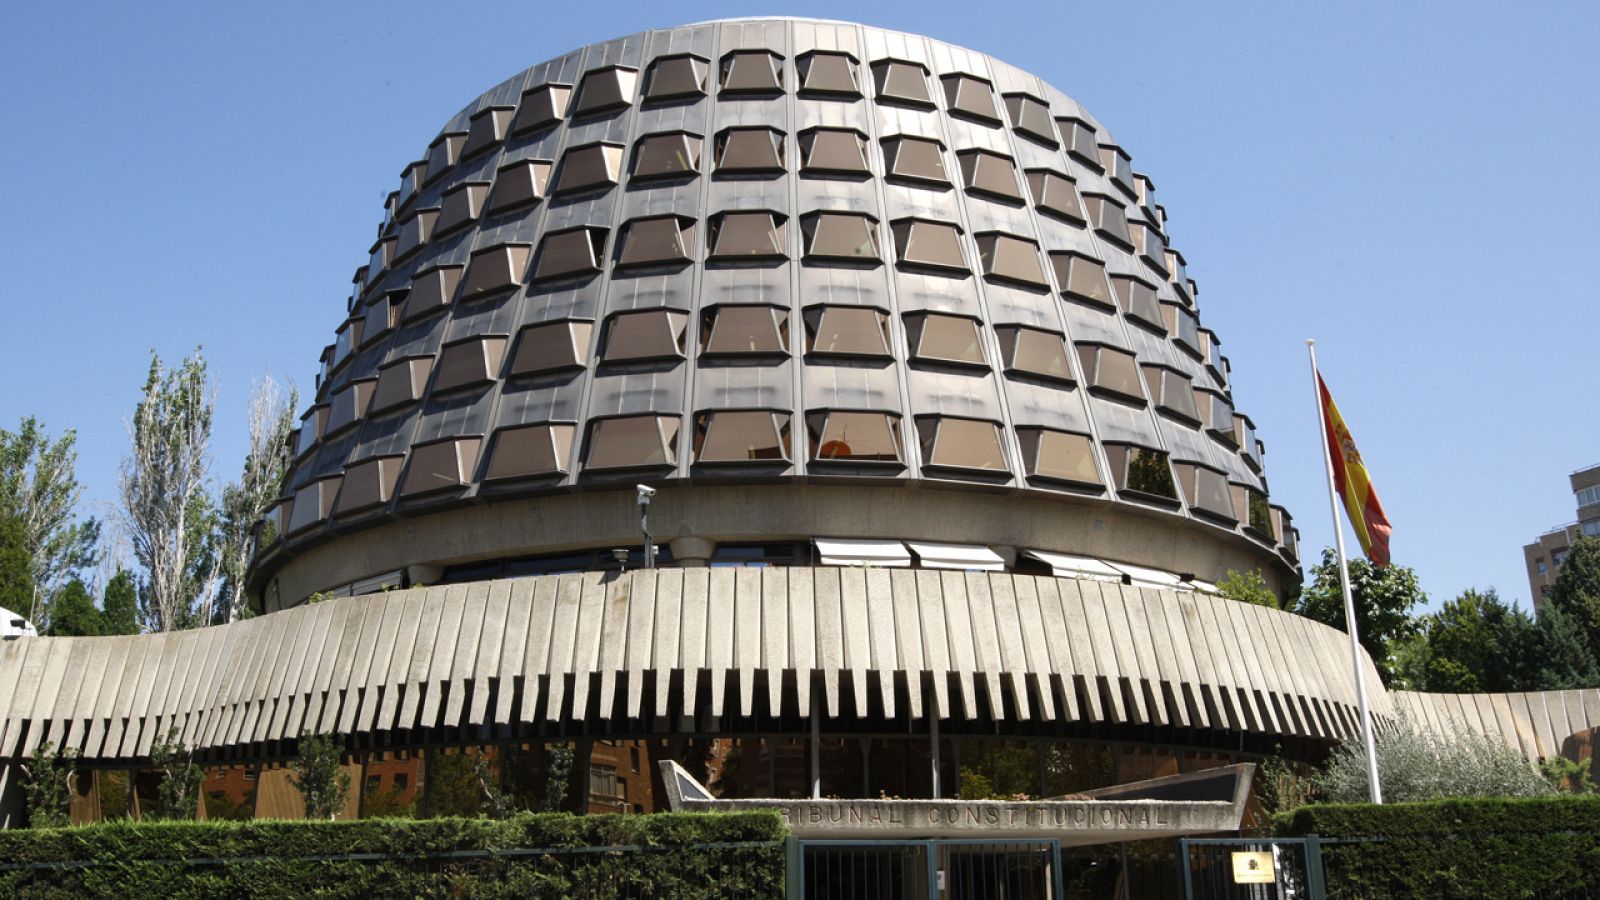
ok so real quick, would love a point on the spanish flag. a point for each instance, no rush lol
(1350, 476)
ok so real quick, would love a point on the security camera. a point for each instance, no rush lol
(645, 492)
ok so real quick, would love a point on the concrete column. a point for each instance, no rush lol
(691, 552)
(12, 806)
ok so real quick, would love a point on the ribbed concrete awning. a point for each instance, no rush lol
(962, 557)
(669, 649)
(846, 552)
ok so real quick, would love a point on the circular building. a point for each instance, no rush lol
(940, 464)
(841, 295)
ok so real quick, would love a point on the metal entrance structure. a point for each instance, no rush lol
(932, 869)
(1220, 868)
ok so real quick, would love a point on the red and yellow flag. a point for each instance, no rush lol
(1350, 476)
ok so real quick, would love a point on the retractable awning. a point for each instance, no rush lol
(1065, 566)
(957, 556)
(848, 552)
(1141, 576)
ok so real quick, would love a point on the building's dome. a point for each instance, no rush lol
(811, 280)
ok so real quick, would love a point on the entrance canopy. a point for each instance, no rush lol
(1194, 803)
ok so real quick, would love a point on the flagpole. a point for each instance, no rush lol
(1344, 584)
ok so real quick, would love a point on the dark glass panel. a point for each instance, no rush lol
(961, 443)
(1035, 352)
(935, 244)
(747, 235)
(1112, 370)
(1081, 141)
(901, 82)
(850, 330)
(747, 329)
(673, 77)
(589, 167)
(1030, 116)
(442, 154)
(756, 150)
(487, 129)
(672, 155)
(989, 174)
(659, 240)
(604, 90)
(1008, 258)
(1082, 277)
(459, 206)
(1141, 470)
(834, 150)
(430, 290)
(944, 338)
(573, 252)
(1110, 219)
(519, 183)
(530, 450)
(1055, 194)
(855, 436)
(1138, 301)
(844, 236)
(495, 269)
(632, 441)
(369, 483)
(752, 71)
(542, 107)
(440, 465)
(822, 72)
(1058, 455)
(965, 95)
(469, 362)
(550, 347)
(651, 334)
(914, 159)
(400, 383)
(742, 436)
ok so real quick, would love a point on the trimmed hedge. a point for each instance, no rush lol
(663, 855)
(1478, 848)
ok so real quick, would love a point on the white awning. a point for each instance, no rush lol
(1064, 566)
(957, 556)
(1204, 587)
(1140, 576)
(847, 552)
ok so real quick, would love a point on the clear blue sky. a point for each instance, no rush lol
(1413, 184)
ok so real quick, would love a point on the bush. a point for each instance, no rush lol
(1478, 848)
(318, 776)
(408, 858)
(1414, 765)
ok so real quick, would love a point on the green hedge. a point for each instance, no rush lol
(403, 857)
(1478, 848)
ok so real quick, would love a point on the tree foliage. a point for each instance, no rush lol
(1247, 587)
(1576, 592)
(318, 776)
(39, 491)
(73, 613)
(178, 795)
(167, 511)
(245, 502)
(1384, 598)
(119, 605)
(49, 772)
(16, 566)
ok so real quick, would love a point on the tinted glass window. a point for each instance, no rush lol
(1111, 370)
(944, 338)
(672, 155)
(740, 436)
(746, 329)
(754, 71)
(659, 240)
(550, 347)
(673, 77)
(530, 450)
(1141, 470)
(928, 244)
(750, 150)
(914, 159)
(833, 150)
(966, 95)
(961, 443)
(855, 436)
(1035, 352)
(858, 331)
(901, 82)
(1058, 455)
(652, 334)
(633, 441)
(828, 73)
(1082, 277)
(842, 236)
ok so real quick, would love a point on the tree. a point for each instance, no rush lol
(50, 774)
(1577, 590)
(119, 607)
(1562, 652)
(167, 512)
(1473, 644)
(16, 566)
(1247, 587)
(1383, 600)
(319, 777)
(38, 487)
(245, 502)
(73, 613)
(177, 797)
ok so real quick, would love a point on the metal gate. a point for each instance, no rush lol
(1247, 869)
(926, 870)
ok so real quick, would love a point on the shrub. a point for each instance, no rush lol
(178, 795)
(1478, 848)
(403, 858)
(318, 776)
(1414, 765)
(50, 786)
